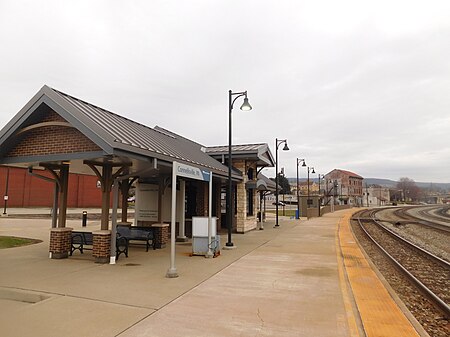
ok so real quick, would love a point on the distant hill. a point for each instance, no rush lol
(384, 182)
(392, 183)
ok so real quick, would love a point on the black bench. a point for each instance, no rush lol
(84, 240)
(135, 233)
(80, 240)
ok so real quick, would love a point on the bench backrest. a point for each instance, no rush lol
(124, 231)
(135, 232)
(82, 237)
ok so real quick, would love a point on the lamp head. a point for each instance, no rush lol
(246, 105)
(304, 164)
(313, 170)
(285, 148)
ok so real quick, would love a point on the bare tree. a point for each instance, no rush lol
(410, 191)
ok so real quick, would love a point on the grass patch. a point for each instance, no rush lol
(287, 212)
(12, 241)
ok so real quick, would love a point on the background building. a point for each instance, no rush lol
(375, 195)
(345, 186)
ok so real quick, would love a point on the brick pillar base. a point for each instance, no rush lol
(101, 246)
(60, 242)
(161, 231)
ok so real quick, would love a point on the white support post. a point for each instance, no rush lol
(172, 272)
(112, 253)
(210, 254)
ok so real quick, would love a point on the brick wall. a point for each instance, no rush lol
(161, 232)
(51, 139)
(60, 242)
(25, 190)
(202, 198)
(101, 246)
(245, 222)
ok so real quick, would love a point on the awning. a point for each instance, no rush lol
(260, 185)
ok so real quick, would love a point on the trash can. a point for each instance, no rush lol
(297, 214)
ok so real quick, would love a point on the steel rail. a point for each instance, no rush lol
(403, 214)
(438, 302)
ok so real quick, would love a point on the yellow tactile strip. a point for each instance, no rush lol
(379, 313)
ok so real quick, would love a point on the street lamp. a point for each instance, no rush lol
(319, 201)
(310, 169)
(285, 148)
(245, 107)
(298, 198)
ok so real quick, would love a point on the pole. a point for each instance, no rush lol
(298, 199)
(5, 198)
(230, 185)
(210, 254)
(172, 272)
(318, 201)
(261, 213)
(307, 199)
(276, 183)
(112, 253)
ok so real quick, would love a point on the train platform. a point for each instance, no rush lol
(305, 278)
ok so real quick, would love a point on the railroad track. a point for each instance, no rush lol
(444, 212)
(438, 213)
(403, 214)
(428, 274)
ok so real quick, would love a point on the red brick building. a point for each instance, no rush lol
(345, 186)
(26, 190)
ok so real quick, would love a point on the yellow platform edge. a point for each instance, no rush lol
(371, 310)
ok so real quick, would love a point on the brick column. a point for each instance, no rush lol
(101, 245)
(60, 242)
(241, 209)
(202, 199)
(161, 232)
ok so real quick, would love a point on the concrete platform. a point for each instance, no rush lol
(288, 281)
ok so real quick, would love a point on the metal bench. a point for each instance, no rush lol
(84, 240)
(79, 241)
(134, 233)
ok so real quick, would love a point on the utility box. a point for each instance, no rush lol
(200, 236)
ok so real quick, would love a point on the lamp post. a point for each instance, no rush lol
(5, 197)
(245, 107)
(319, 201)
(298, 197)
(278, 142)
(310, 169)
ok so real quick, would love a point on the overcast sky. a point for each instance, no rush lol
(358, 85)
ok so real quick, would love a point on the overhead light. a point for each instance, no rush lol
(246, 105)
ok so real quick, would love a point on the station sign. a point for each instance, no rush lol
(187, 171)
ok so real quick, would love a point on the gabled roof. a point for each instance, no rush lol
(259, 152)
(271, 185)
(348, 173)
(114, 134)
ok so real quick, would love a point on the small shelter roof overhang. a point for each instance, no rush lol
(255, 152)
(262, 184)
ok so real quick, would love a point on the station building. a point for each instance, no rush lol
(55, 135)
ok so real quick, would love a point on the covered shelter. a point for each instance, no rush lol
(55, 133)
(249, 159)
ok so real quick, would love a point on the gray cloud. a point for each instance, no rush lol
(356, 85)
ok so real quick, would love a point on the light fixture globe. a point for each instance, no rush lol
(246, 105)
